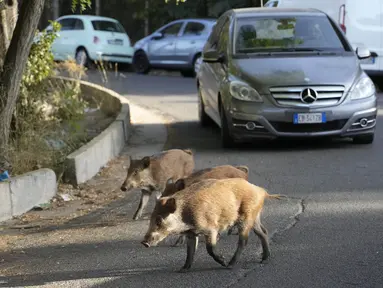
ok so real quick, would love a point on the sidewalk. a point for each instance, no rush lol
(99, 202)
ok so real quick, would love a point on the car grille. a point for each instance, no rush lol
(302, 128)
(291, 96)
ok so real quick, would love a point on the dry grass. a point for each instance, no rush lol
(45, 143)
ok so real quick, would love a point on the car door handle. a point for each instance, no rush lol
(192, 42)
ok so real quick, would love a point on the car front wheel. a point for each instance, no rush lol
(141, 63)
(364, 139)
(82, 58)
(226, 139)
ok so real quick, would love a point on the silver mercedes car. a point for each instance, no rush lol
(273, 72)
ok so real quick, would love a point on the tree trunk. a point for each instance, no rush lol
(14, 65)
(98, 7)
(8, 18)
(56, 9)
(146, 18)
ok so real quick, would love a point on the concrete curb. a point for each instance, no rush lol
(86, 162)
(23, 192)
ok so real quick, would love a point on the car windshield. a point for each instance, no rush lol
(109, 26)
(284, 34)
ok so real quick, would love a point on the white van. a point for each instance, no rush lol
(361, 21)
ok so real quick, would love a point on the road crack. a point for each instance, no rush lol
(296, 218)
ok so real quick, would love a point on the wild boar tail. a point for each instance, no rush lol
(275, 196)
(188, 151)
(243, 168)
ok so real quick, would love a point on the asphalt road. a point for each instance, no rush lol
(329, 234)
(338, 239)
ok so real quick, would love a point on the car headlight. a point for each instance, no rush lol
(363, 89)
(244, 92)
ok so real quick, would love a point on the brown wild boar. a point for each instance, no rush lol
(218, 172)
(151, 173)
(207, 208)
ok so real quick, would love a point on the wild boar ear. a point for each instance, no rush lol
(169, 204)
(146, 162)
(180, 184)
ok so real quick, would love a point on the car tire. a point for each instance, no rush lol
(187, 73)
(196, 63)
(364, 139)
(82, 57)
(204, 119)
(141, 63)
(226, 139)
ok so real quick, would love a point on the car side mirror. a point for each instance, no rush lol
(363, 53)
(157, 36)
(213, 56)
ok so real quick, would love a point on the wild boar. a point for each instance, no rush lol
(151, 173)
(218, 172)
(207, 208)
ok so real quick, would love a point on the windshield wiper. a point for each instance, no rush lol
(297, 49)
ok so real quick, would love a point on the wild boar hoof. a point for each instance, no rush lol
(231, 265)
(184, 269)
(265, 258)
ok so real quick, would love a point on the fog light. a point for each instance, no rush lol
(250, 125)
(363, 122)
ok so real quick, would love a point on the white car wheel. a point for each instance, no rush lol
(81, 57)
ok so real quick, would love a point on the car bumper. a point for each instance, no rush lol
(125, 56)
(341, 121)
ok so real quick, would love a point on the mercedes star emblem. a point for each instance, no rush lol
(308, 95)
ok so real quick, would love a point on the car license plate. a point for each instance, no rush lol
(368, 61)
(309, 118)
(115, 42)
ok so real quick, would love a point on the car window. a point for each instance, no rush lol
(223, 38)
(278, 33)
(194, 29)
(78, 25)
(107, 26)
(67, 24)
(172, 30)
(214, 36)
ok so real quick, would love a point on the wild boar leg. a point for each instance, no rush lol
(211, 243)
(192, 242)
(263, 237)
(242, 242)
(230, 232)
(180, 241)
(145, 195)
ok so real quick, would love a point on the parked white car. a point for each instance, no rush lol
(88, 38)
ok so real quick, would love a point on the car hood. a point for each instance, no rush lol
(263, 73)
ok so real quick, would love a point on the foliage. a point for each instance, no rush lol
(43, 107)
(40, 61)
(83, 4)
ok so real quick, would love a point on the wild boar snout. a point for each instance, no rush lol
(145, 243)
